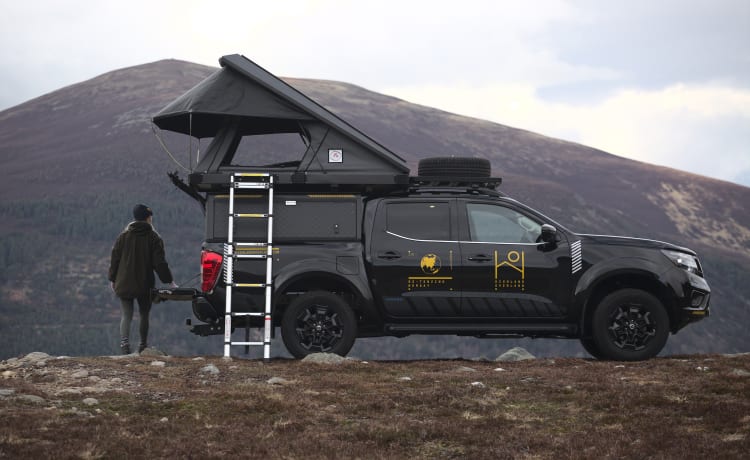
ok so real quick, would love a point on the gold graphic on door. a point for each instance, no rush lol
(430, 265)
(510, 273)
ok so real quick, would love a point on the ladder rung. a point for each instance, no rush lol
(251, 256)
(260, 245)
(252, 174)
(252, 344)
(250, 285)
(242, 313)
(255, 215)
(252, 185)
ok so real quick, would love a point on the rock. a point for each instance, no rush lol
(199, 358)
(278, 381)
(70, 391)
(740, 373)
(499, 369)
(515, 354)
(210, 369)
(151, 351)
(82, 374)
(325, 358)
(477, 384)
(91, 401)
(6, 392)
(35, 356)
(164, 420)
(158, 363)
(9, 374)
(405, 379)
(34, 399)
(465, 369)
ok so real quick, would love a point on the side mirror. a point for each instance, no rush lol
(549, 234)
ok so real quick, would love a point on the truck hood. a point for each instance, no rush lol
(634, 242)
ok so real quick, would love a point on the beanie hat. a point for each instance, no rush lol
(142, 212)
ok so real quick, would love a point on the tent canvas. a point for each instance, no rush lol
(243, 99)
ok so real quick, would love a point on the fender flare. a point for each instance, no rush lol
(608, 270)
(301, 269)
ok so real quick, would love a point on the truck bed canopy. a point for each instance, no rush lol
(243, 99)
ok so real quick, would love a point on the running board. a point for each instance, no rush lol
(489, 330)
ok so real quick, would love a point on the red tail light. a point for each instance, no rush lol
(210, 270)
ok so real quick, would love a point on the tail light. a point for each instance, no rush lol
(210, 270)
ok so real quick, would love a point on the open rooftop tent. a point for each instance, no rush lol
(243, 99)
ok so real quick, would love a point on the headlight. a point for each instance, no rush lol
(682, 260)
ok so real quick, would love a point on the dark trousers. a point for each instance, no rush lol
(144, 308)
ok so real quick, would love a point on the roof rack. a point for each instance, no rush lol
(455, 182)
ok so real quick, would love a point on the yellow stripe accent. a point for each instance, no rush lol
(248, 285)
(251, 215)
(430, 277)
(331, 196)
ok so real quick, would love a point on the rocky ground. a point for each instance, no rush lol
(329, 407)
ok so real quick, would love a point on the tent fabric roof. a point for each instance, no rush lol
(262, 103)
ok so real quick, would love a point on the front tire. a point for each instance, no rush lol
(630, 325)
(318, 322)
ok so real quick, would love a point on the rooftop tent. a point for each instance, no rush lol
(243, 99)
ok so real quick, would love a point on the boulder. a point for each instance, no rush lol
(515, 354)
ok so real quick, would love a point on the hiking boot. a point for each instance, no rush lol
(125, 349)
(142, 347)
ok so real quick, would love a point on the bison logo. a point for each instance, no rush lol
(430, 264)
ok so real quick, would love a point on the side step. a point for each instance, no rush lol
(484, 330)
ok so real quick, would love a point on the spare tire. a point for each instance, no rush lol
(454, 167)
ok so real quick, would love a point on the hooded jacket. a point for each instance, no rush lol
(137, 253)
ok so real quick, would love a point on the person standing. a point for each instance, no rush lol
(137, 253)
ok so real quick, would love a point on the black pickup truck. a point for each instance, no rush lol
(363, 249)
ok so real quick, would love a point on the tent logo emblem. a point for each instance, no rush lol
(335, 156)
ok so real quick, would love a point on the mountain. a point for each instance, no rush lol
(76, 160)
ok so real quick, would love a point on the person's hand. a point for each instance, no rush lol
(173, 285)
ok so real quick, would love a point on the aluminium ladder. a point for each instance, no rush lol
(262, 181)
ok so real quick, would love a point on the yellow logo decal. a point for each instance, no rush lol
(430, 264)
(511, 272)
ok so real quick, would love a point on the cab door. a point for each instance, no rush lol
(413, 256)
(506, 270)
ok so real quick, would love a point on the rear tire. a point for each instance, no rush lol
(318, 322)
(454, 167)
(630, 325)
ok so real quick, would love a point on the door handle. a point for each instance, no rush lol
(480, 258)
(389, 255)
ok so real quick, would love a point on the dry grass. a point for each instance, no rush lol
(692, 407)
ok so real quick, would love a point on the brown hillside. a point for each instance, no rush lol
(74, 161)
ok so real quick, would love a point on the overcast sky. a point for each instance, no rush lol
(662, 81)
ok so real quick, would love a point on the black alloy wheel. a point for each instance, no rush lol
(318, 322)
(630, 325)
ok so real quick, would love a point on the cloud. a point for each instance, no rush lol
(699, 128)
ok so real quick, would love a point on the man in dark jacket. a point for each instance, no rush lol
(137, 253)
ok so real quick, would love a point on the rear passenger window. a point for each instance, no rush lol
(421, 221)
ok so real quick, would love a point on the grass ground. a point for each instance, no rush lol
(139, 407)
